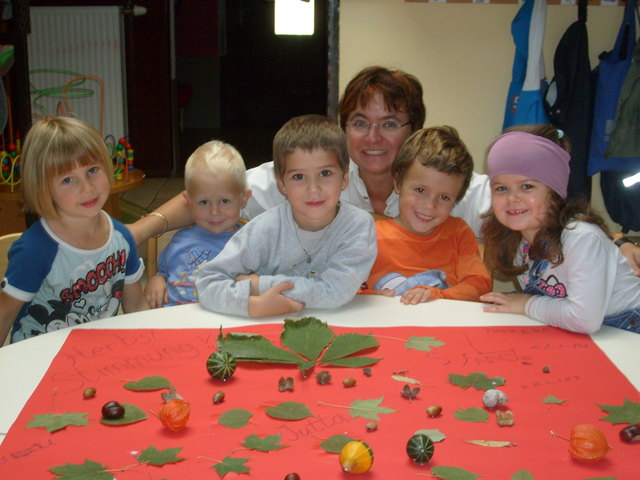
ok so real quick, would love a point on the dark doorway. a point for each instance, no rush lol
(250, 81)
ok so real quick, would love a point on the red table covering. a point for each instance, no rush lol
(579, 373)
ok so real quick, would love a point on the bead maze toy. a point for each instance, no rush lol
(10, 153)
(121, 155)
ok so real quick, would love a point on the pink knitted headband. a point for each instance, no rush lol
(532, 156)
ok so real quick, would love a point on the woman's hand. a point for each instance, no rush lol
(415, 296)
(505, 302)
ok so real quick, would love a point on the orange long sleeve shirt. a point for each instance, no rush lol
(452, 248)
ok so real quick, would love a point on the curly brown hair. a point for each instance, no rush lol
(501, 243)
(438, 147)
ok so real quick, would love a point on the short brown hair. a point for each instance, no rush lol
(401, 91)
(437, 147)
(307, 133)
(52, 147)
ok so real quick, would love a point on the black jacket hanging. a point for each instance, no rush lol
(572, 109)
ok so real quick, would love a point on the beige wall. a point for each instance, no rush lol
(462, 54)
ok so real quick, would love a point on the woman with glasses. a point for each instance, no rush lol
(379, 109)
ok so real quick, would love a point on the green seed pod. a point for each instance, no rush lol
(221, 365)
(420, 448)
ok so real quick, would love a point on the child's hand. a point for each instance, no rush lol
(255, 281)
(505, 302)
(386, 292)
(273, 302)
(415, 296)
(156, 291)
(632, 254)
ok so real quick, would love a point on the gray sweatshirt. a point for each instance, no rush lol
(274, 247)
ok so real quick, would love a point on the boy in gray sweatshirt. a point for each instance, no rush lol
(311, 251)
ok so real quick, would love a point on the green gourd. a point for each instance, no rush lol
(221, 365)
(420, 448)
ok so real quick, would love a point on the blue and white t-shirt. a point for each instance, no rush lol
(62, 285)
(180, 261)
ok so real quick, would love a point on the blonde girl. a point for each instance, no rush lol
(571, 274)
(75, 264)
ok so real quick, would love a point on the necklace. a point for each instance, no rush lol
(310, 235)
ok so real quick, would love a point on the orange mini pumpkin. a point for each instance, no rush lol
(174, 414)
(588, 443)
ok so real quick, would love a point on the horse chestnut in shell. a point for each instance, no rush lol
(112, 410)
(631, 434)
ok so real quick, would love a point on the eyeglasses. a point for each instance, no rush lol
(388, 126)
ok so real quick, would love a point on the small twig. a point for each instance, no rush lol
(553, 434)
(122, 469)
(389, 338)
(331, 404)
(202, 457)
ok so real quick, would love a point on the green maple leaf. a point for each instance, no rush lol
(423, 344)
(231, 464)
(368, 409)
(289, 411)
(628, 412)
(148, 383)
(522, 475)
(235, 418)
(306, 338)
(477, 380)
(89, 470)
(153, 456)
(472, 414)
(552, 399)
(264, 444)
(335, 443)
(454, 473)
(57, 421)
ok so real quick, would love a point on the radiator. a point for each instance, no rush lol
(88, 41)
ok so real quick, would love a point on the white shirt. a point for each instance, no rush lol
(593, 281)
(262, 182)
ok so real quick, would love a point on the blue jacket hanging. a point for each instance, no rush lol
(611, 72)
(524, 99)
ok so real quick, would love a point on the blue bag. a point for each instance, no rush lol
(524, 99)
(611, 71)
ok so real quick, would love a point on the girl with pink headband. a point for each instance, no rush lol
(572, 276)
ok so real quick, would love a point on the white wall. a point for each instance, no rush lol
(462, 54)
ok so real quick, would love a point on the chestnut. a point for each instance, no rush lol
(630, 434)
(112, 410)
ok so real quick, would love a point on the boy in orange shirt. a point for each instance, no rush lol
(424, 253)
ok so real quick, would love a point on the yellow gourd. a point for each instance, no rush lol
(356, 457)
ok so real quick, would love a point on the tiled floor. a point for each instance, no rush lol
(154, 192)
